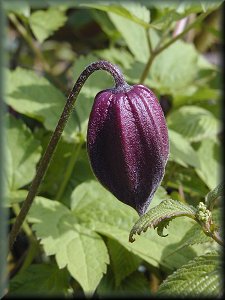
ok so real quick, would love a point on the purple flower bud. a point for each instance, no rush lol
(127, 143)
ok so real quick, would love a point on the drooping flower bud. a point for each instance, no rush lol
(127, 143)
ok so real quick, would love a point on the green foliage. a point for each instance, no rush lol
(123, 262)
(160, 216)
(169, 74)
(78, 248)
(83, 230)
(181, 150)
(20, 163)
(201, 276)
(45, 23)
(213, 195)
(209, 170)
(44, 279)
(193, 123)
(35, 97)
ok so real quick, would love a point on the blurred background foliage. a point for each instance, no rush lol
(78, 242)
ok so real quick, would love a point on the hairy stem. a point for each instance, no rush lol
(45, 160)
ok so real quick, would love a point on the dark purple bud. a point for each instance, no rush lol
(127, 143)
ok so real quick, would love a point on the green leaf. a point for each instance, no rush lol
(118, 56)
(181, 150)
(106, 25)
(76, 247)
(136, 284)
(21, 8)
(160, 215)
(35, 97)
(131, 11)
(169, 73)
(61, 161)
(195, 235)
(122, 261)
(22, 154)
(193, 123)
(16, 196)
(45, 22)
(43, 279)
(213, 195)
(200, 277)
(209, 163)
(133, 33)
(98, 209)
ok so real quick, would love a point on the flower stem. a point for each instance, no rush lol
(46, 158)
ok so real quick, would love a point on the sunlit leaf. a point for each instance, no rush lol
(45, 22)
(22, 154)
(76, 247)
(193, 123)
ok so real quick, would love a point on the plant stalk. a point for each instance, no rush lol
(157, 50)
(46, 158)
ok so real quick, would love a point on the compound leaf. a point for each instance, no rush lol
(79, 249)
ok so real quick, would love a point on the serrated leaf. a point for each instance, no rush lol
(209, 169)
(35, 97)
(22, 154)
(101, 211)
(160, 215)
(123, 262)
(133, 33)
(45, 22)
(76, 247)
(200, 277)
(44, 279)
(193, 123)
(181, 150)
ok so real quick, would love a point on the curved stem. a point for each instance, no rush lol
(120, 84)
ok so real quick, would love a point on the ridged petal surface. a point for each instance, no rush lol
(128, 145)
